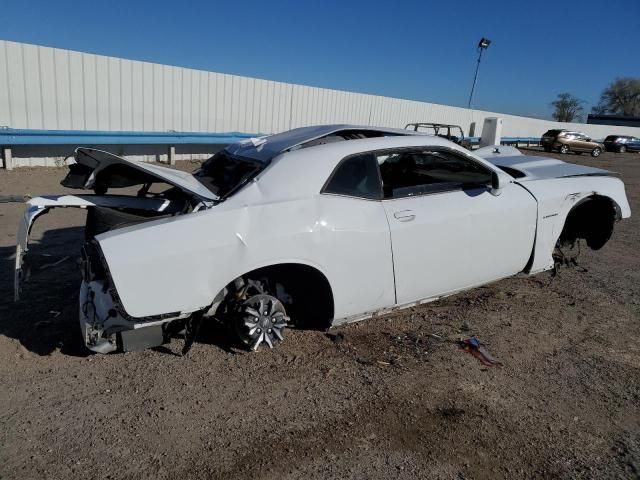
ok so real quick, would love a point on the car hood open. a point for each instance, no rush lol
(96, 169)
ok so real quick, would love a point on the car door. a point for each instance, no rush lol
(584, 143)
(449, 231)
(577, 142)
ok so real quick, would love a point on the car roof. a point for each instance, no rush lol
(334, 152)
(304, 171)
(263, 149)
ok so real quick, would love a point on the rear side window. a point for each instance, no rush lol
(224, 173)
(356, 176)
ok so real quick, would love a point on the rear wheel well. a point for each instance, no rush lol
(304, 291)
(592, 220)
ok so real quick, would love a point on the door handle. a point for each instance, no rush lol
(404, 215)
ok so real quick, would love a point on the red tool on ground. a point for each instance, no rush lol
(473, 346)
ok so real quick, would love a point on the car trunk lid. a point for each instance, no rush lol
(99, 170)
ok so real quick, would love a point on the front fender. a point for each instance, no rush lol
(556, 198)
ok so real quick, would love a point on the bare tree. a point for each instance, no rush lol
(622, 97)
(567, 108)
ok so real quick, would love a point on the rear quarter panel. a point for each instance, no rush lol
(179, 265)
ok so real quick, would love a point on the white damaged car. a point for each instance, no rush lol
(315, 227)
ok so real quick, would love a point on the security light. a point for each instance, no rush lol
(484, 43)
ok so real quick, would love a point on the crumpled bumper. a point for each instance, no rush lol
(105, 330)
(96, 313)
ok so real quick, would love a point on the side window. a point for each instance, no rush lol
(356, 177)
(408, 173)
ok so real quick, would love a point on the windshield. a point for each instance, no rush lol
(224, 173)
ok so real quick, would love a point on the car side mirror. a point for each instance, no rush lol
(496, 184)
(588, 139)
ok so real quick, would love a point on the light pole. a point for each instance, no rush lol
(483, 44)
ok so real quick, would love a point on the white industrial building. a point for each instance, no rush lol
(54, 89)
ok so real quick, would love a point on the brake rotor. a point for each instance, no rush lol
(261, 319)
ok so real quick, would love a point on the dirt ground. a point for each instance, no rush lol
(385, 399)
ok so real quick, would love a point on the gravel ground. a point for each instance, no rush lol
(392, 397)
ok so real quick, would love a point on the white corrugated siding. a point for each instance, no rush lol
(49, 88)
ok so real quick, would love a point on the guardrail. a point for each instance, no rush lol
(10, 137)
(513, 141)
(517, 141)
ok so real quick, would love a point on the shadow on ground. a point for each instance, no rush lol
(45, 318)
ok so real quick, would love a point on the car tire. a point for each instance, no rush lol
(261, 319)
(622, 149)
(564, 149)
(256, 316)
(596, 152)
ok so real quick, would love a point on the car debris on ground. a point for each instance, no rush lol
(476, 348)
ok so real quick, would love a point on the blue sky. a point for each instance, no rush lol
(421, 50)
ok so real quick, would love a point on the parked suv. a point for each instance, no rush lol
(565, 141)
(622, 143)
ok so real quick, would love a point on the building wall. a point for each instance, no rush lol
(50, 88)
(613, 120)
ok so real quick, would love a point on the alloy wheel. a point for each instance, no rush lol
(261, 319)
